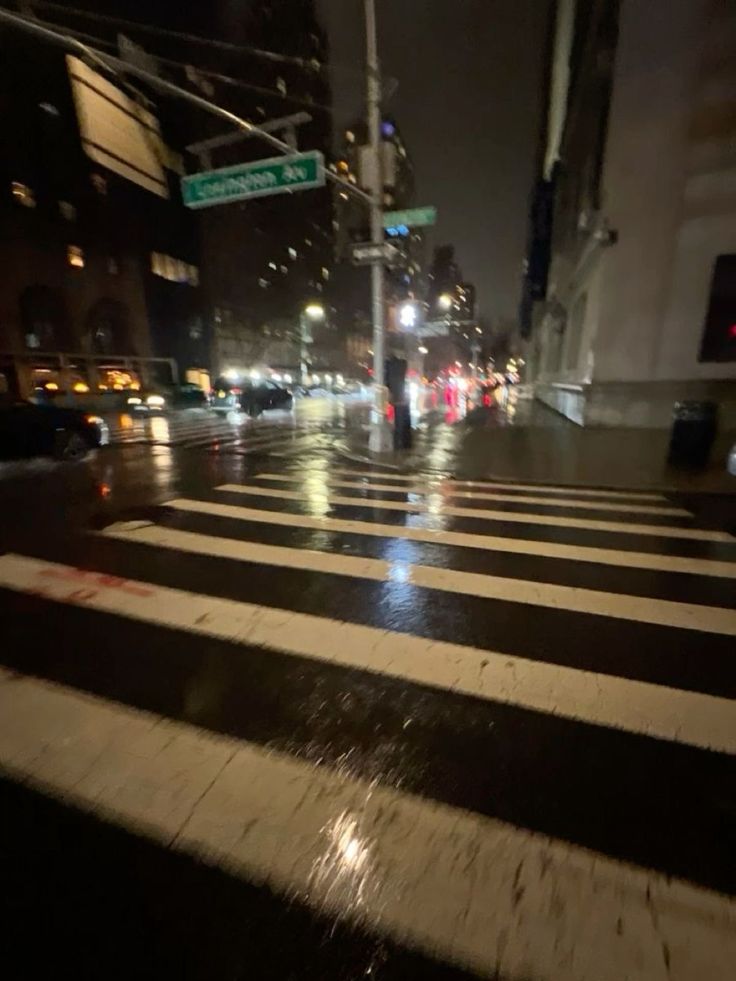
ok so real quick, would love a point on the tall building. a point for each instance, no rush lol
(262, 260)
(100, 274)
(629, 295)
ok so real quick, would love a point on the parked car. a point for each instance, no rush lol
(45, 430)
(249, 396)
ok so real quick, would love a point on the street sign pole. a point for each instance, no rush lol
(380, 434)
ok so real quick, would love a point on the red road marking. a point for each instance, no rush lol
(96, 579)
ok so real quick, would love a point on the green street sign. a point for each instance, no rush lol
(279, 175)
(412, 218)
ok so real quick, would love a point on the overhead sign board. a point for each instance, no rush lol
(411, 218)
(434, 328)
(116, 132)
(368, 253)
(279, 175)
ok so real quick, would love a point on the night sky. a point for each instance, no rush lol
(467, 103)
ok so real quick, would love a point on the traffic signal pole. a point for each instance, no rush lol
(380, 434)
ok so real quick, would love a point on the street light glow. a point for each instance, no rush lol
(315, 311)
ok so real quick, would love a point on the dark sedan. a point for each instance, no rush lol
(45, 430)
(253, 397)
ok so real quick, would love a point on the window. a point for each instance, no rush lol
(75, 256)
(99, 183)
(263, 283)
(292, 253)
(174, 270)
(112, 266)
(23, 194)
(325, 272)
(67, 211)
(350, 136)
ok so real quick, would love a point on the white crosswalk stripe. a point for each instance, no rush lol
(689, 616)
(581, 492)
(321, 491)
(575, 553)
(352, 839)
(451, 491)
(507, 748)
(619, 702)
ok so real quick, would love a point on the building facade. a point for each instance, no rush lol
(629, 291)
(99, 284)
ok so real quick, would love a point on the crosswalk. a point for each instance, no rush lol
(235, 433)
(491, 727)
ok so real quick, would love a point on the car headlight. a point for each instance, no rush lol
(156, 400)
(135, 400)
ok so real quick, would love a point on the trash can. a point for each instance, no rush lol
(402, 426)
(694, 427)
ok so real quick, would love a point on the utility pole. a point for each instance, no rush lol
(380, 435)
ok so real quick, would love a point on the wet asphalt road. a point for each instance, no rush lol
(269, 711)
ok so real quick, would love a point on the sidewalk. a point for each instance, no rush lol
(526, 441)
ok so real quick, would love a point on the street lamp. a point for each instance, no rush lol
(315, 311)
(311, 313)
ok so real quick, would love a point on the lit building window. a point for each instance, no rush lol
(272, 265)
(284, 269)
(67, 210)
(343, 166)
(23, 194)
(325, 272)
(263, 283)
(174, 270)
(99, 183)
(350, 136)
(75, 256)
(281, 85)
(292, 253)
(308, 241)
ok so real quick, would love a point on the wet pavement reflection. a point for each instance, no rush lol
(346, 717)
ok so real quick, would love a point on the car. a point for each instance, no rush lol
(146, 401)
(253, 397)
(28, 430)
(165, 398)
